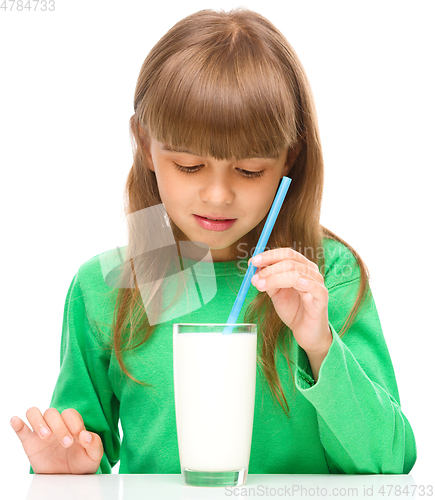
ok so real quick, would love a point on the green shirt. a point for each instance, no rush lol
(349, 422)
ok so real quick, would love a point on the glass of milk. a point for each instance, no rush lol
(214, 386)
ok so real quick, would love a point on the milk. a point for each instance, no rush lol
(214, 380)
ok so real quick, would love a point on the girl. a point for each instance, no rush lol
(222, 111)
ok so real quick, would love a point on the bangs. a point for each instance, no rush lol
(228, 100)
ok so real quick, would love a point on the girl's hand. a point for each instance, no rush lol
(64, 448)
(303, 307)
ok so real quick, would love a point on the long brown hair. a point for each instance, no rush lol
(229, 85)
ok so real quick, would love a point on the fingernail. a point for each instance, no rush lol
(44, 431)
(257, 259)
(261, 283)
(254, 279)
(13, 420)
(87, 437)
(66, 441)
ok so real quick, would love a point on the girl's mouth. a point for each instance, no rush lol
(214, 225)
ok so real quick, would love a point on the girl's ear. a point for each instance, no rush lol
(292, 155)
(145, 141)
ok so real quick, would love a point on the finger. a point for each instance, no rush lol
(291, 279)
(38, 423)
(317, 290)
(73, 421)
(93, 445)
(20, 428)
(58, 427)
(290, 265)
(89, 440)
(278, 254)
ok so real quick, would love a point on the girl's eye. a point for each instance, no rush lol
(188, 170)
(245, 173)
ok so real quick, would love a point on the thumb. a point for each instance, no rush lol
(93, 445)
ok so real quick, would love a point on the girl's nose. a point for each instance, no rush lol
(217, 192)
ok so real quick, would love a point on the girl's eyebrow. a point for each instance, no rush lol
(168, 148)
(165, 147)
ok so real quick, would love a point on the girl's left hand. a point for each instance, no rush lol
(302, 306)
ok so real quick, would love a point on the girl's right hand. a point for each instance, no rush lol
(64, 449)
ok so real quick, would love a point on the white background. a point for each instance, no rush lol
(66, 96)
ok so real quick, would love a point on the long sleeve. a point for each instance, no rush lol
(83, 382)
(361, 425)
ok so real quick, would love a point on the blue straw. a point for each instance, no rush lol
(262, 242)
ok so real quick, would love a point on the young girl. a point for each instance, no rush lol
(222, 111)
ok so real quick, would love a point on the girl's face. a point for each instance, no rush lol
(242, 191)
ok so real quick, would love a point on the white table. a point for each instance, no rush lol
(169, 487)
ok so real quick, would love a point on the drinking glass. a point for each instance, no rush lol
(214, 387)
